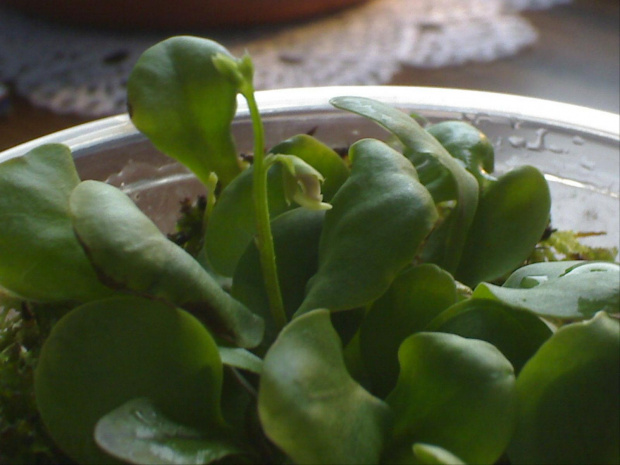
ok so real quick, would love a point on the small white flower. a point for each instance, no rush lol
(302, 183)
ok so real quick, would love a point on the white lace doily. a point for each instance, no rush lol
(73, 70)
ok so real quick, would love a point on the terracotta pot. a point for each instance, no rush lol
(167, 14)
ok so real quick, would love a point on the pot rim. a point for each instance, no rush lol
(161, 15)
(85, 137)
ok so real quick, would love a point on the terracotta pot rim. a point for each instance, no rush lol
(163, 14)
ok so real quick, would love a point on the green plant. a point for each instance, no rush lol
(361, 325)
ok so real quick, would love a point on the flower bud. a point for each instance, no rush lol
(230, 68)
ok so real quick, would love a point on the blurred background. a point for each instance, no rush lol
(56, 73)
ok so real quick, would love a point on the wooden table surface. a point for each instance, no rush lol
(576, 60)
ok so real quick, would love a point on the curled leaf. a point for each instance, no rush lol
(131, 254)
(538, 273)
(240, 358)
(108, 352)
(308, 403)
(427, 454)
(469, 145)
(572, 295)
(182, 102)
(138, 432)
(569, 409)
(455, 393)
(380, 216)
(512, 215)
(40, 258)
(415, 297)
(517, 333)
(443, 175)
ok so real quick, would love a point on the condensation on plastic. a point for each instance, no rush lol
(577, 148)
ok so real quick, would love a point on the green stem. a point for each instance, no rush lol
(210, 186)
(264, 239)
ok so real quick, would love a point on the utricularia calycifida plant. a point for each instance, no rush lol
(371, 308)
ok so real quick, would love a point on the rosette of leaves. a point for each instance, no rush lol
(346, 335)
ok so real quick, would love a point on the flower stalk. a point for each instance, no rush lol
(241, 72)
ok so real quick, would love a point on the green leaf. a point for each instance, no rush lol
(40, 259)
(105, 353)
(296, 236)
(517, 333)
(380, 216)
(232, 224)
(579, 293)
(238, 405)
(512, 215)
(321, 157)
(467, 144)
(427, 454)
(568, 397)
(309, 405)
(534, 274)
(455, 393)
(241, 358)
(137, 432)
(185, 105)
(8, 300)
(415, 297)
(132, 255)
(444, 176)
